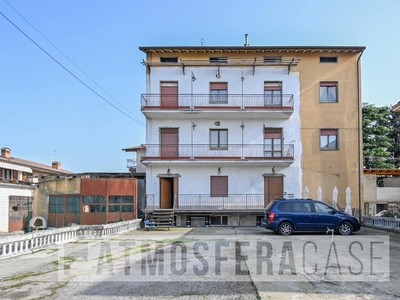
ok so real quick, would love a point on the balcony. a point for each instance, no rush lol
(248, 154)
(131, 163)
(208, 106)
(204, 202)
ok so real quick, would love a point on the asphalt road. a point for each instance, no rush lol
(210, 263)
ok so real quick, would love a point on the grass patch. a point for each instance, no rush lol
(22, 276)
(14, 285)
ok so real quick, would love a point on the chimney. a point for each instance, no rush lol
(5, 152)
(246, 40)
(56, 165)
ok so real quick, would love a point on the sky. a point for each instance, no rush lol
(82, 106)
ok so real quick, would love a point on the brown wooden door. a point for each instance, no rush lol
(273, 189)
(169, 94)
(166, 193)
(169, 142)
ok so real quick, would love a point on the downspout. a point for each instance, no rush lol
(359, 135)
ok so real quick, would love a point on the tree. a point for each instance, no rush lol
(394, 135)
(377, 145)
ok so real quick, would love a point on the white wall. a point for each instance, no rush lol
(252, 84)
(7, 190)
(242, 180)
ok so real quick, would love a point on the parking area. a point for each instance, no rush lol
(210, 263)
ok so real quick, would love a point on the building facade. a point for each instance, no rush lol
(18, 179)
(229, 129)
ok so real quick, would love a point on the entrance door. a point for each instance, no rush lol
(273, 189)
(168, 190)
(169, 142)
(169, 94)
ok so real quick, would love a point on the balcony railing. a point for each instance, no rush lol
(231, 151)
(230, 202)
(203, 202)
(207, 101)
(131, 163)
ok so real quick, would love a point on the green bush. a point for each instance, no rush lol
(390, 214)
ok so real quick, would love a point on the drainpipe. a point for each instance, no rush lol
(242, 126)
(359, 135)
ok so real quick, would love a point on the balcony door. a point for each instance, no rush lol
(273, 188)
(272, 93)
(273, 142)
(169, 94)
(169, 142)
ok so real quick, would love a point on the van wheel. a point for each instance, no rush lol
(345, 228)
(285, 228)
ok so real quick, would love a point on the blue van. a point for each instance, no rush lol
(286, 216)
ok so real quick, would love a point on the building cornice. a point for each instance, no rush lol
(253, 49)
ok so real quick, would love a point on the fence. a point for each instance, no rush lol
(14, 245)
(381, 222)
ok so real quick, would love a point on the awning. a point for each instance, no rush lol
(15, 167)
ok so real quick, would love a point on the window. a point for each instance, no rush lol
(272, 93)
(328, 92)
(93, 204)
(273, 142)
(120, 204)
(272, 59)
(301, 207)
(285, 206)
(6, 173)
(328, 139)
(219, 186)
(221, 60)
(215, 220)
(218, 92)
(322, 208)
(73, 204)
(328, 59)
(219, 139)
(169, 59)
(56, 204)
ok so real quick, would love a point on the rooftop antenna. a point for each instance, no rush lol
(55, 155)
(202, 42)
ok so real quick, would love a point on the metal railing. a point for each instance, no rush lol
(194, 151)
(205, 202)
(208, 101)
(131, 163)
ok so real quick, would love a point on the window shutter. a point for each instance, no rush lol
(272, 133)
(272, 86)
(219, 186)
(328, 131)
(218, 85)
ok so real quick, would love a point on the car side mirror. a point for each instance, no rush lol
(333, 212)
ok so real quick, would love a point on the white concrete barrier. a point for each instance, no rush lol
(382, 222)
(18, 244)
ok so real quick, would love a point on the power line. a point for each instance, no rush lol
(69, 58)
(77, 78)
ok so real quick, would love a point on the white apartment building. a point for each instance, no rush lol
(223, 131)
